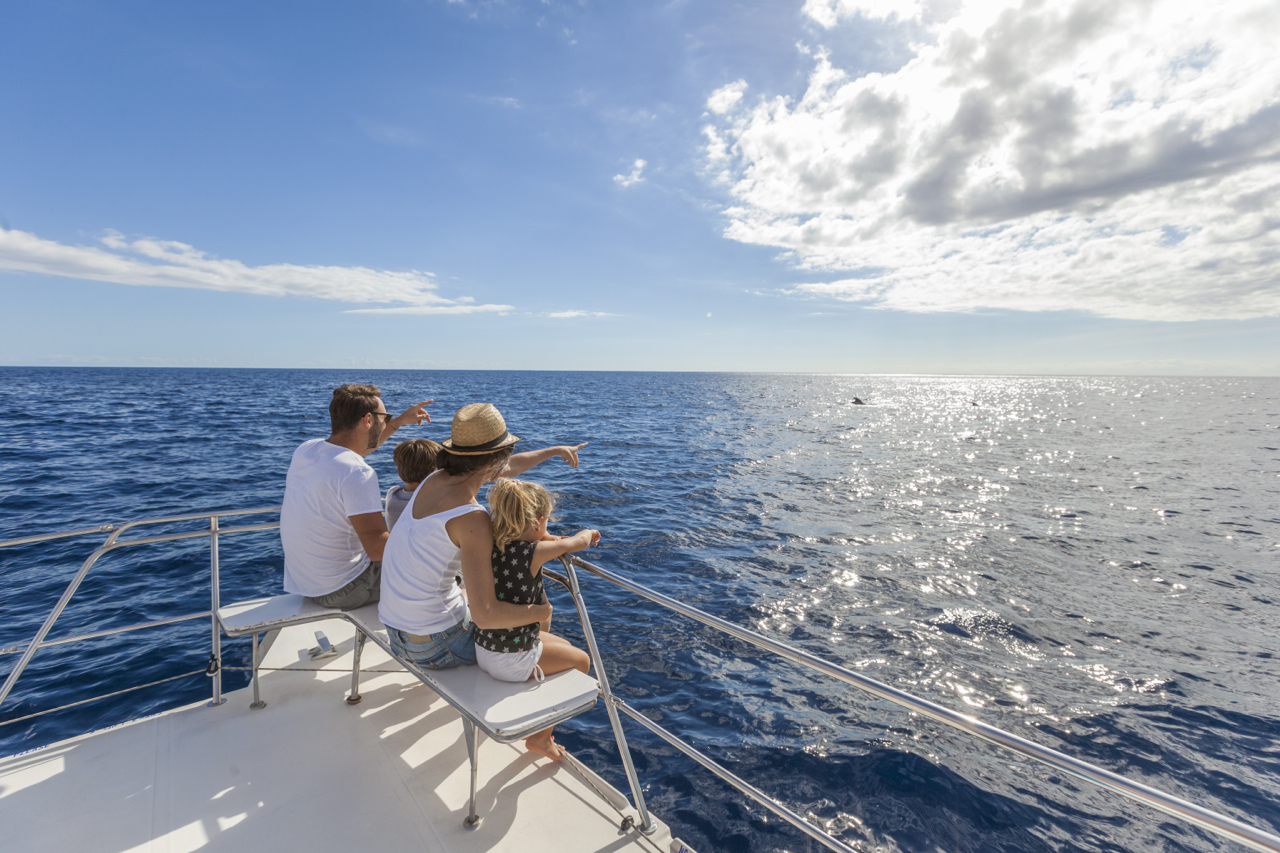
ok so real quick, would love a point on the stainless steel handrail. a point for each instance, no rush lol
(62, 641)
(194, 516)
(45, 537)
(114, 543)
(1198, 815)
(118, 527)
(103, 696)
(736, 781)
(647, 825)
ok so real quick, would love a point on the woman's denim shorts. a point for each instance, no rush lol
(451, 647)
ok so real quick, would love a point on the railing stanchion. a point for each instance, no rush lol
(215, 655)
(258, 704)
(647, 826)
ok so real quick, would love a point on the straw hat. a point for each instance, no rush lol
(478, 428)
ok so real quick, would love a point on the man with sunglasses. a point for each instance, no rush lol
(331, 523)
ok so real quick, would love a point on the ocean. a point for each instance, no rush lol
(1088, 562)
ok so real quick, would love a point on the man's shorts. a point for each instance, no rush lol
(365, 589)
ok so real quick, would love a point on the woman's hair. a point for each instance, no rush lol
(415, 459)
(350, 403)
(513, 506)
(460, 466)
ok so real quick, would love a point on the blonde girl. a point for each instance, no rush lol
(521, 544)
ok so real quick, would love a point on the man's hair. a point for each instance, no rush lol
(350, 403)
(415, 459)
(513, 506)
(460, 466)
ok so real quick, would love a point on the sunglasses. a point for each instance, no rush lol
(385, 415)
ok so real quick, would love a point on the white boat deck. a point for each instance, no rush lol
(307, 773)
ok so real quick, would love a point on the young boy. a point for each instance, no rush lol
(415, 460)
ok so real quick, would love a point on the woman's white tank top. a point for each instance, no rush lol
(419, 564)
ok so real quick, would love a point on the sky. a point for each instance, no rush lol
(853, 186)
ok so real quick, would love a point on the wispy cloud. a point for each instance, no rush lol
(164, 263)
(562, 315)
(634, 178)
(499, 101)
(435, 309)
(1122, 159)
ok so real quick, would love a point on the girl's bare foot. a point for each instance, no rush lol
(544, 745)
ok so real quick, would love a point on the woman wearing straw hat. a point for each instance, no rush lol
(446, 533)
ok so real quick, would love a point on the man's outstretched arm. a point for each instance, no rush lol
(412, 415)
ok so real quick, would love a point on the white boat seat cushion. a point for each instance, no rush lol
(503, 710)
(265, 614)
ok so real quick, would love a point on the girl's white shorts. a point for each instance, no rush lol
(504, 666)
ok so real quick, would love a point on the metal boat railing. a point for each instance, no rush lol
(1204, 818)
(115, 543)
(1207, 819)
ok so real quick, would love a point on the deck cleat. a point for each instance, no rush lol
(324, 650)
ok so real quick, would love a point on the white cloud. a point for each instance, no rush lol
(634, 177)
(830, 12)
(725, 98)
(164, 263)
(1122, 159)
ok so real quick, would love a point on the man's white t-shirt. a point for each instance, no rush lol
(325, 485)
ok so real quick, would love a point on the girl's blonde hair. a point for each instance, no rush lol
(513, 506)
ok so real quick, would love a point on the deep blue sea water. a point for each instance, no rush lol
(1089, 562)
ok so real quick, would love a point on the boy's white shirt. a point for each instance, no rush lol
(397, 500)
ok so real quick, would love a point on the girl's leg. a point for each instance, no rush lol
(558, 655)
